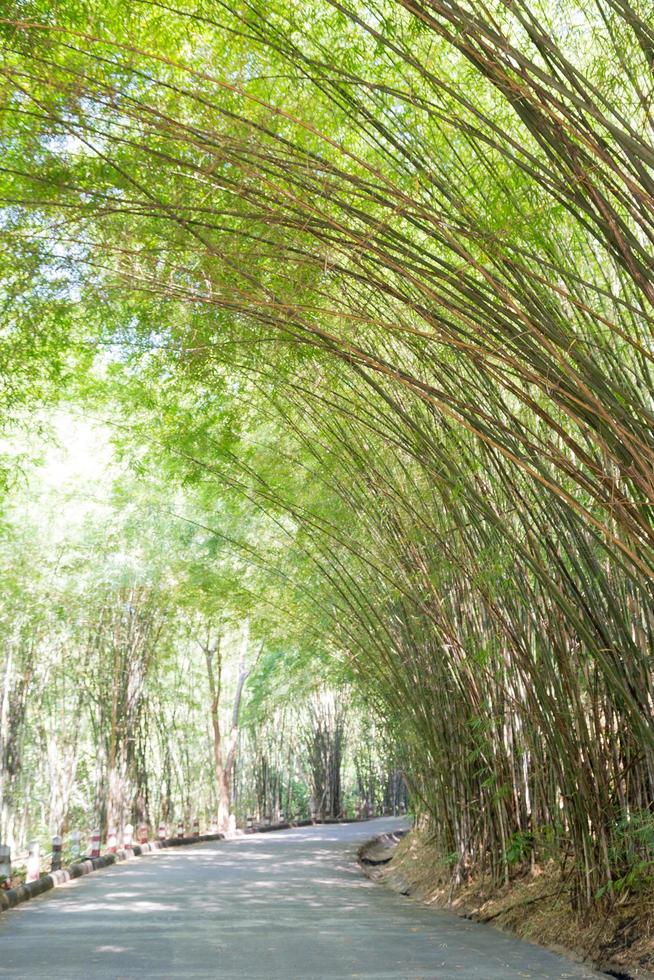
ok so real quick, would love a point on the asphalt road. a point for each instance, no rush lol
(280, 906)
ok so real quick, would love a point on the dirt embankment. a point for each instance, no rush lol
(535, 906)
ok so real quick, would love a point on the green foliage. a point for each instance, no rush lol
(519, 847)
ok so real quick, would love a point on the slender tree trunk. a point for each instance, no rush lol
(225, 754)
(4, 733)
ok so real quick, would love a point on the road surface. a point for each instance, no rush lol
(278, 906)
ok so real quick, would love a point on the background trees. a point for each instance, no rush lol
(128, 638)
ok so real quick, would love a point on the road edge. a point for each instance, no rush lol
(375, 853)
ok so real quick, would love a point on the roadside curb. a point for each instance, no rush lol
(380, 849)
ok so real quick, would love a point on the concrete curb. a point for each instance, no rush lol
(380, 849)
(12, 897)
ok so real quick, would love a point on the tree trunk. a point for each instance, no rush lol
(224, 755)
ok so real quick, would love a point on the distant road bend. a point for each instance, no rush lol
(278, 906)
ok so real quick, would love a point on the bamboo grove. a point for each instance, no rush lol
(395, 259)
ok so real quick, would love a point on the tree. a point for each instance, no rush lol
(225, 748)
